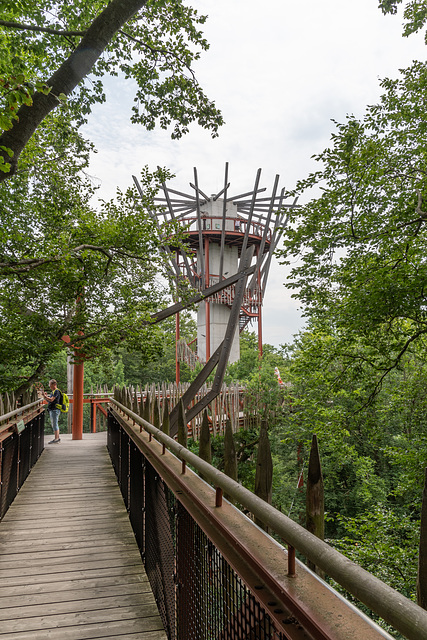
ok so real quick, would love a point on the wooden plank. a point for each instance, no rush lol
(143, 601)
(104, 537)
(70, 577)
(132, 629)
(70, 568)
(122, 560)
(70, 595)
(14, 561)
(70, 585)
(150, 622)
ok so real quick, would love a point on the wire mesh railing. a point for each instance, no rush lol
(215, 574)
(21, 443)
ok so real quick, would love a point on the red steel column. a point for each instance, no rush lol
(177, 367)
(207, 305)
(259, 294)
(77, 429)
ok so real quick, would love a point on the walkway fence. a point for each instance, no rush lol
(21, 443)
(233, 404)
(215, 574)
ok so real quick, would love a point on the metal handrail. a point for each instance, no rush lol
(401, 613)
(19, 410)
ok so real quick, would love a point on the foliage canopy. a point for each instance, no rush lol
(57, 53)
(363, 267)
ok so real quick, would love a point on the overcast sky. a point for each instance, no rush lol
(280, 71)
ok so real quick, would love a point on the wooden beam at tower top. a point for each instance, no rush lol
(215, 198)
(183, 208)
(273, 244)
(164, 247)
(266, 200)
(200, 231)
(260, 257)
(172, 214)
(249, 220)
(224, 211)
(179, 193)
(197, 189)
(249, 193)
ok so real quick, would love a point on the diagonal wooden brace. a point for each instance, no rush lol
(220, 357)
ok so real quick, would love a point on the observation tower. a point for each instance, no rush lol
(219, 230)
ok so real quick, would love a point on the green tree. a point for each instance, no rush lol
(66, 267)
(414, 14)
(160, 366)
(363, 267)
(56, 53)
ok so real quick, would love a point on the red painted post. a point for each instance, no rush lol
(259, 312)
(207, 304)
(77, 429)
(93, 421)
(177, 366)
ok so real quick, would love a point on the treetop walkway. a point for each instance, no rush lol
(69, 567)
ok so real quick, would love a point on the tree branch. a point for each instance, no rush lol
(164, 52)
(66, 78)
(31, 27)
(28, 264)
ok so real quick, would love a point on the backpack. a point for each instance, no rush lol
(64, 404)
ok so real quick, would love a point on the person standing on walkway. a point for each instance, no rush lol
(54, 399)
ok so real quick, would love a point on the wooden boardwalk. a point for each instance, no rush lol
(70, 568)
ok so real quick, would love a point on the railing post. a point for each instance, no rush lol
(291, 562)
(77, 429)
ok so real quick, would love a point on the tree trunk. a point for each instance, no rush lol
(67, 77)
(32, 379)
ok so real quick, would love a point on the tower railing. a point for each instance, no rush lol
(215, 574)
(237, 226)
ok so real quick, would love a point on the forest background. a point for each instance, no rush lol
(355, 376)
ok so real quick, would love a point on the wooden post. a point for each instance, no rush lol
(315, 499)
(77, 431)
(422, 558)
(147, 407)
(205, 449)
(182, 425)
(165, 416)
(264, 469)
(93, 416)
(230, 456)
(156, 413)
